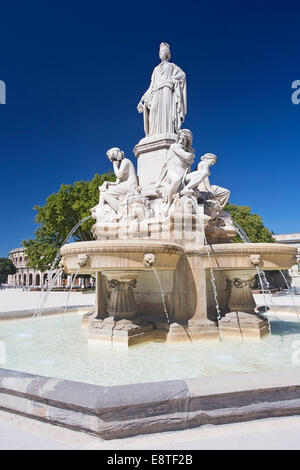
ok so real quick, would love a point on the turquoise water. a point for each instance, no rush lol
(57, 346)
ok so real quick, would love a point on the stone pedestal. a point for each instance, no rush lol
(122, 332)
(151, 153)
(244, 325)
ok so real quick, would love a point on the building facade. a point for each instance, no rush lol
(292, 239)
(33, 278)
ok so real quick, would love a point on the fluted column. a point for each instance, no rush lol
(240, 285)
(122, 304)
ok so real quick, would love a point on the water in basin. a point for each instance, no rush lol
(57, 346)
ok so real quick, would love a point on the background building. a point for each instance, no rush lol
(292, 239)
(30, 277)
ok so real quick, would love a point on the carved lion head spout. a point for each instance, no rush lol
(149, 260)
(256, 260)
(62, 263)
(82, 260)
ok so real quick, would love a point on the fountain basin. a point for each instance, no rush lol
(270, 256)
(120, 255)
(129, 302)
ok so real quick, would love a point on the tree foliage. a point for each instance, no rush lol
(6, 267)
(252, 224)
(61, 212)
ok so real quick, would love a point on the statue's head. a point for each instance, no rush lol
(164, 51)
(210, 158)
(185, 138)
(115, 154)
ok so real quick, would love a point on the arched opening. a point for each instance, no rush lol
(24, 280)
(30, 280)
(37, 280)
(20, 279)
(45, 277)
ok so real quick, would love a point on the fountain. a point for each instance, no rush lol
(169, 221)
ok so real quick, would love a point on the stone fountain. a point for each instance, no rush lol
(163, 257)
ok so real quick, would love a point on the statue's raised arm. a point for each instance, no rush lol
(164, 103)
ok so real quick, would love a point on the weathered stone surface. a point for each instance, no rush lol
(127, 410)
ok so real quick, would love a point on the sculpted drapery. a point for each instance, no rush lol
(164, 103)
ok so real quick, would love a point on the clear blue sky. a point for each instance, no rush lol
(75, 71)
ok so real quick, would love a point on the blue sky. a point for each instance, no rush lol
(75, 72)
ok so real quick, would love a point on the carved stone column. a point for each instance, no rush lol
(122, 303)
(241, 320)
(241, 297)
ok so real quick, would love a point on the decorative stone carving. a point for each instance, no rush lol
(122, 303)
(164, 103)
(62, 263)
(256, 260)
(134, 208)
(82, 260)
(149, 260)
(241, 297)
(239, 283)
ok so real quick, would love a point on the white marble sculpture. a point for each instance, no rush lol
(180, 158)
(213, 196)
(112, 192)
(164, 103)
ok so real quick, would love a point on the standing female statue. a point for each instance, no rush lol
(164, 103)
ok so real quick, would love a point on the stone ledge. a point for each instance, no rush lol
(19, 314)
(128, 410)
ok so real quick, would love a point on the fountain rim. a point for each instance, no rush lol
(248, 248)
(108, 246)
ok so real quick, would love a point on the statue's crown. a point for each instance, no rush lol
(164, 44)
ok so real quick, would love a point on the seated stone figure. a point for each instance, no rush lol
(213, 196)
(112, 192)
(180, 158)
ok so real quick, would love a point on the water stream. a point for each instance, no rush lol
(261, 274)
(290, 293)
(240, 231)
(73, 279)
(162, 295)
(212, 276)
(58, 255)
(45, 293)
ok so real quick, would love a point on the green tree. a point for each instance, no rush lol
(61, 212)
(252, 224)
(6, 267)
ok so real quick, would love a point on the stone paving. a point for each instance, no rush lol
(17, 432)
(17, 299)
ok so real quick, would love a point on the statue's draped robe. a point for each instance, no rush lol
(166, 99)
